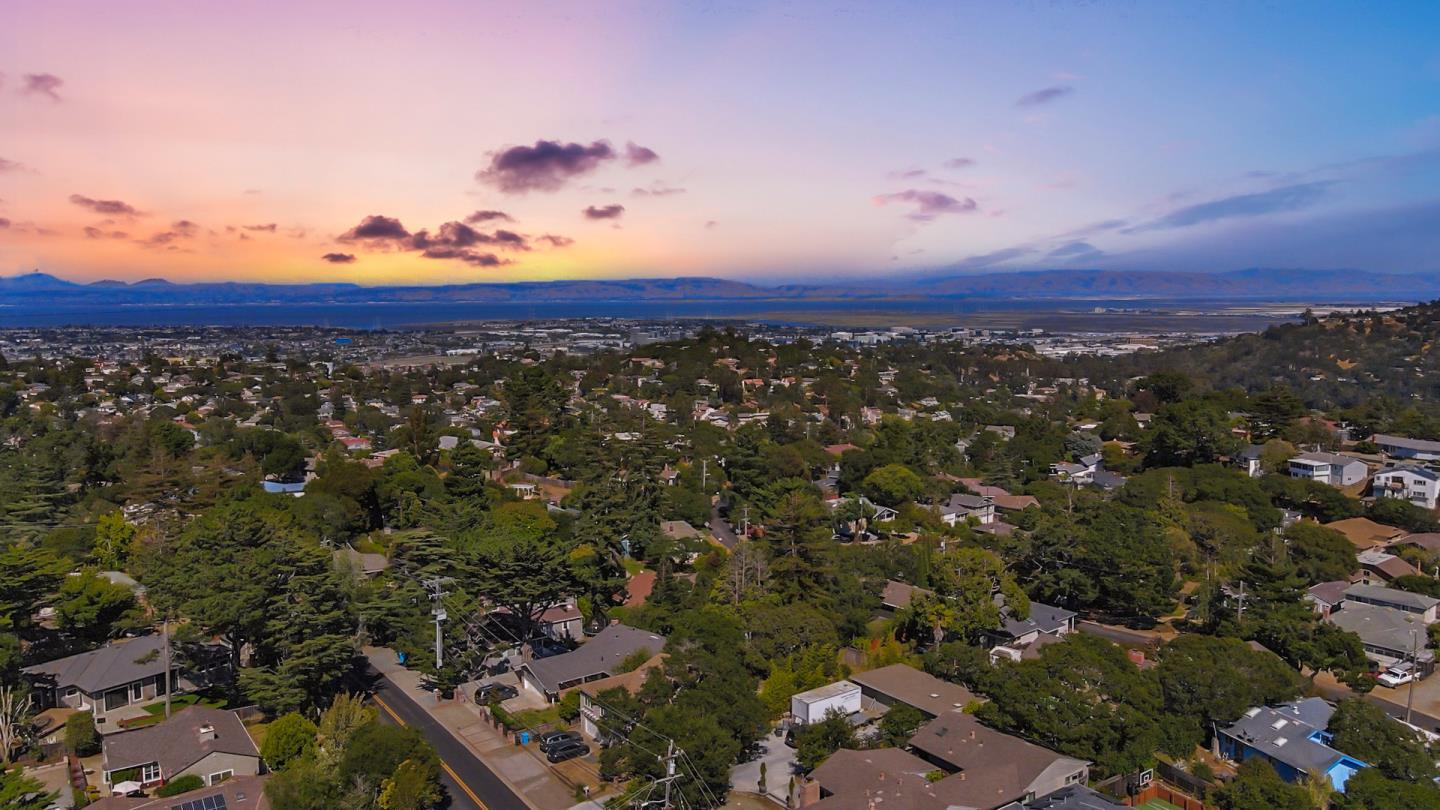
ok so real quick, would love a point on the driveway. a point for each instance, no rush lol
(779, 760)
(1426, 703)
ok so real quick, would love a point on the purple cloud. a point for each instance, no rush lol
(637, 155)
(1044, 96)
(9, 166)
(471, 257)
(656, 189)
(1075, 250)
(1276, 200)
(376, 228)
(556, 241)
(339, 258)
(488, 216)
(928, 204)
(110, 207)
(546, 166)
(4, 223)
(268, 227)
(958, 163)
(44, 84)
(907, 174)
(604, 212)
(97, 233)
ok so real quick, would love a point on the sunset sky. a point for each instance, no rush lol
(432, 142)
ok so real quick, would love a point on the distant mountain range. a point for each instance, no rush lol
(42, 289)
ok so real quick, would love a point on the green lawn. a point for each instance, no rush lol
(179, 702)
(1157, 804)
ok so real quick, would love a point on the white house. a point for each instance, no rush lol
(963, 506)
(1417, 485)
(842, 697)
(1328, 468)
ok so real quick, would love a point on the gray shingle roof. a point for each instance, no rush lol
(177, 743)
(1382, 627)
(116, 664)
(1394, 596)
(1044, 618)
(598, 656)
(1283, 733)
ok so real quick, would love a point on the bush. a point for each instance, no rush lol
(183, 784)
(80, 735)
(287, 739)
(570, 706)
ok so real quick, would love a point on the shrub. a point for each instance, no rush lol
(80, 735)
(182, 784)
(287, 739)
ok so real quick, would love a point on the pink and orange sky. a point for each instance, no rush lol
(364, 141)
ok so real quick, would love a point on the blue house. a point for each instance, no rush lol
(1292, 737)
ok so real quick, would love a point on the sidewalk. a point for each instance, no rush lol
(518, 768)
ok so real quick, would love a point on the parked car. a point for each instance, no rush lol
(1398, 675)
(560, 753)
(557, 739)
(487, 693)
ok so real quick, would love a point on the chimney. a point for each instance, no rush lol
(207, 732)
(961, 775)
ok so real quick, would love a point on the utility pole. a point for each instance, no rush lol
(169, 682)
(670, 776)
(1414, 674)
(704, 473)
(434, 588)
(1240, 603)
(745, 523)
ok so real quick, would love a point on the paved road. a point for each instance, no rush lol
(472, 785)
(722, 530)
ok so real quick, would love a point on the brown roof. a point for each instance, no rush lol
(240, 792)
(177, 743)
(898, 594)
(859, 780)
(1364, 533)
(1430, 541)
(912, 687)
(996, 765)
(638, 589)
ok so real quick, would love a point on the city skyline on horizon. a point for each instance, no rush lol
(765, 143)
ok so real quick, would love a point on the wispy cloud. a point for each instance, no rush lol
(480, 217)
(1044, 95)
(109, 207)
(656, 189)
(958, 163)
(1275, 200)
(10, 166)
(927, 204)
(637, 155)
(339, 258)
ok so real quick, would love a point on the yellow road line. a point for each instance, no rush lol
(451, 771)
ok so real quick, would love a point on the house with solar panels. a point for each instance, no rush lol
(239, 793)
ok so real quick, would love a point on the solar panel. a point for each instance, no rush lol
(216, 802)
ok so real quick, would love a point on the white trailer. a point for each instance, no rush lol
(812, 706)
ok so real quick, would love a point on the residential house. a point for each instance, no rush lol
(235, 793)
(1327, 596)
(1328, 468)
(1292, 738)
(1249, 460)
(1073, 797)
(1426, 607)
(1003, 500)
(1364, 533)
(904, 684)
(1015, 770)
(595, 659)
(1078, 472)
(1389, 635)
(209, 743)
(1417, 485)
(679, 530)
(963, 507)
(897, 595)
(1377, 566)
(1015, 635)
(107, 680)
(593, 711)
(1412, 449)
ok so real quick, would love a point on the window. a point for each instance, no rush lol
(137, 690)
(116, 698)
(1074, 777)
(217, 778)
(150, 773)
(161, 685)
